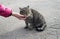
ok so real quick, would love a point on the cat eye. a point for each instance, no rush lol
(21, 11)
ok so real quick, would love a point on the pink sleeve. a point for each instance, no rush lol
(5, 12)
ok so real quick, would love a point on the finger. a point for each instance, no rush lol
(22, 18)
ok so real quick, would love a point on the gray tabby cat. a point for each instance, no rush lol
(34, 19)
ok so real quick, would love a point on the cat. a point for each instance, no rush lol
(34, 19)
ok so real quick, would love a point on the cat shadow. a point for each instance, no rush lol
(19, 33)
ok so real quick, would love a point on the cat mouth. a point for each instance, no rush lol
(26, 16)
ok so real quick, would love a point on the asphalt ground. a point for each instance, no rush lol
(13, 28)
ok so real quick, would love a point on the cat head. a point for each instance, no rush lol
(24, 10)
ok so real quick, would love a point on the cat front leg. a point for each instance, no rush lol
(26, 25)
(30, 26)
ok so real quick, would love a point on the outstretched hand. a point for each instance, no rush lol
(19, 16)
(22, 17)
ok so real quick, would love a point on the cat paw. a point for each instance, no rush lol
(26, 27)
(30, 28)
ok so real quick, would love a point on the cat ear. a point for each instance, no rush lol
(20, 8)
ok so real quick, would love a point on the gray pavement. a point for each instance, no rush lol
(12, 28)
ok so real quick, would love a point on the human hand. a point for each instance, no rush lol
(22, 17)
